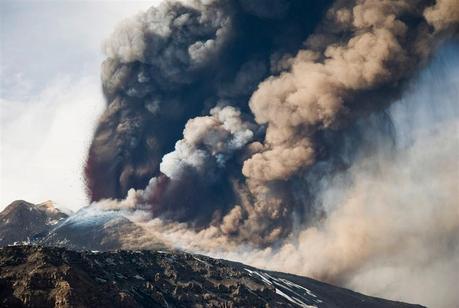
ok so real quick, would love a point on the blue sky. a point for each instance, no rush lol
(50, 95)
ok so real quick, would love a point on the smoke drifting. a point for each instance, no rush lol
(262, 130)
(176, 62)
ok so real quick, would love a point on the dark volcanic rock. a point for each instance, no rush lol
(21, 221)
(33, 276)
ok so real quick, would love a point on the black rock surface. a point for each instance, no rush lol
(35, 276)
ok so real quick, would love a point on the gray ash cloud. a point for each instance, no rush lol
(176, 62)
(229, 114)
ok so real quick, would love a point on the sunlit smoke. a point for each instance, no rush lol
(311, 154)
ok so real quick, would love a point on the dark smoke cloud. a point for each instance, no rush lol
(261, 131)
(391, 221)
(175, 62)
(229, 114)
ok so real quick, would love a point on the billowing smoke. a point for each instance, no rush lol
(193, 176)
(265, 130)
(176, 62)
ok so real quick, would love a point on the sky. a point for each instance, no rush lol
(50, 99)
(50, 56)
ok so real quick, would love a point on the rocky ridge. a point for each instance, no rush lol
(33, 276)
(22, 222)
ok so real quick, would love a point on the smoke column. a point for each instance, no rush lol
(267, 130)
(176, 62)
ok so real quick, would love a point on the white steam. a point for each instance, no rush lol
(207, 139)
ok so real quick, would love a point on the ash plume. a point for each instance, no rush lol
(254, 133)
(176, 62)
(193, 176)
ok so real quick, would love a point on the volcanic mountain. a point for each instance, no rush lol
(50, 259)
(32, 276)
(22, 221)
(43, 224)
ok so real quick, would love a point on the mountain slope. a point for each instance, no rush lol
(21, 221)
(87, 230)
(44, 225)
(32, 276)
